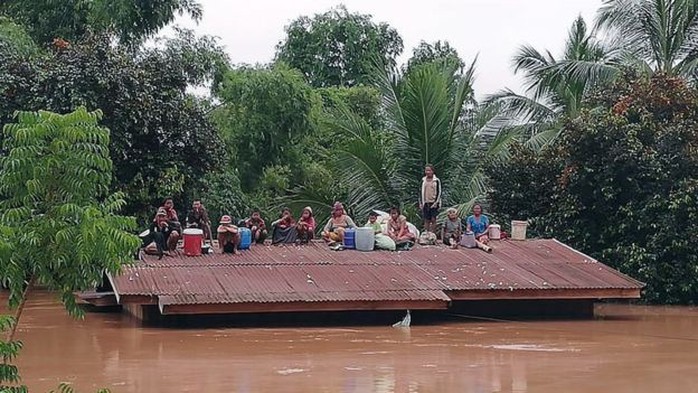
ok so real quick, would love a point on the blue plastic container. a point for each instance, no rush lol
(350, 238)
(245, 238)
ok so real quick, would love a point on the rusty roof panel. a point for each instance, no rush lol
(420, 295)
(313, 273)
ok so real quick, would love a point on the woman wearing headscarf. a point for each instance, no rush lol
(337, 224)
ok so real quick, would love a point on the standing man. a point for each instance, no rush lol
(430, 198)
(198, 218)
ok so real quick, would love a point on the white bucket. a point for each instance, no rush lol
(518, 230)
(365, 239)
(495, 232)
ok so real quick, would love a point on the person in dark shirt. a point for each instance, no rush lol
(163, 235)
(257, 226)
(284, 229)
(198, 218)
(172, 217)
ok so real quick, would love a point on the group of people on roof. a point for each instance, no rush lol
(392, 231)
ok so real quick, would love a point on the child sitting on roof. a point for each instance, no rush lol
(452, 229)
(257, 227)
(284, 229)
(383, 242)
(306, 226)
(398, 231)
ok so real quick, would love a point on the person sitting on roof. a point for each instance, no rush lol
(397, 228)
(337, 224)
(228, 236)
(306, 226)
(452, 229)
(168, 206)
(478, 224)
(198, 218)
(284, 229)
(382, 241)
(257, 227)
(164, 237)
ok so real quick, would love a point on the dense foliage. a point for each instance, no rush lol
(70, 20)
(438, 51)
(59, 226)
(162, 141)
(265, 117)
(9, 374)
(338, 48)
(619, 184)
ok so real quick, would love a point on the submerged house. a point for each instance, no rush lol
(540, 277)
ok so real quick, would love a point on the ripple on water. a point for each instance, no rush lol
(530, 347)
(289, 371)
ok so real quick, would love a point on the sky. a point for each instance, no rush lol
(492, 30)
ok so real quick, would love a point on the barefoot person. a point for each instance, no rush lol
(430, 198)
(228, 236)
(337, 224)
(478, 224)
(452, 229)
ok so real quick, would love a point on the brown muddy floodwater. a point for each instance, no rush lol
(626, 349)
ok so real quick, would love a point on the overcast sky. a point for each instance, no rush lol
(492, 29)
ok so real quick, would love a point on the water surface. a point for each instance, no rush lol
(627, 349)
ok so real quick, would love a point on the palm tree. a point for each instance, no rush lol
(430, 117)
(662, 35)
(551, 93)
(647, 36)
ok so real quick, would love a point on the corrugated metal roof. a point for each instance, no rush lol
(313, 273)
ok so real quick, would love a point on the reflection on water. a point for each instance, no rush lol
(629, 349)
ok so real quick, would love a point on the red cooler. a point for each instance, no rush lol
(193, 240)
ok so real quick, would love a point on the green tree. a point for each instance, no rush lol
(160, 134)
(363, 100)
(428, 121)
(619, 184)
(15, 40)
(59, 226)
(647, 37)
(71, 20)
(265, 117)
(659, 33)
(338, 48)
(438, 51)
(551, 95)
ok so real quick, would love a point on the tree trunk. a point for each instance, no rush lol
(20, 308)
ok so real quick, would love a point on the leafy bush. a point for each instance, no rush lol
(620, 184)
(59, 224)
